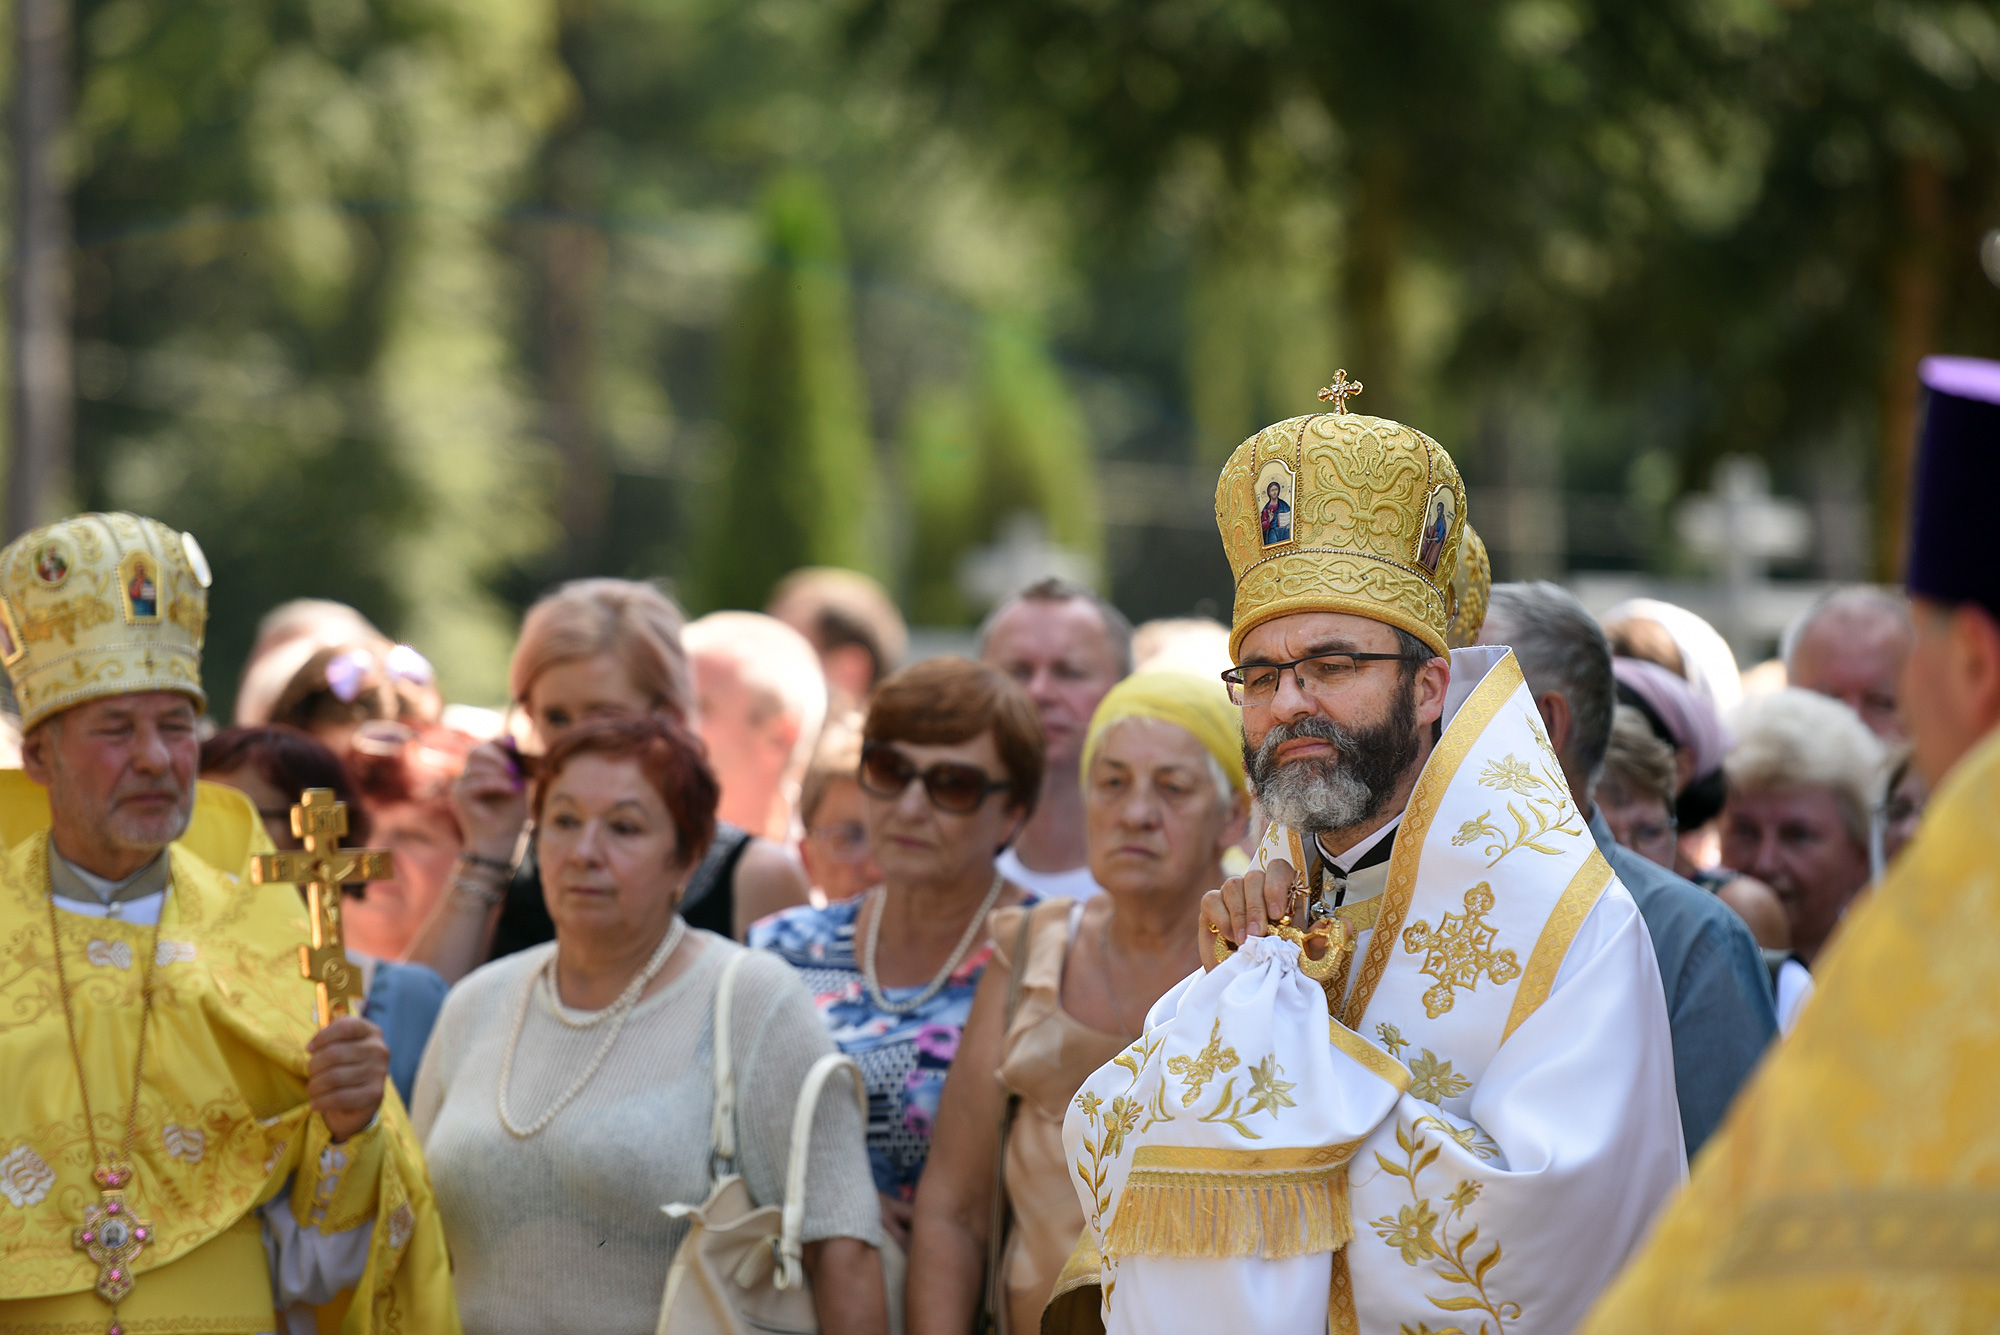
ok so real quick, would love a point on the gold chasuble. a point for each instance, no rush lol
(221, 1121)
(1856, 1184)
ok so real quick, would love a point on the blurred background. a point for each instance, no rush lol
(422, 305)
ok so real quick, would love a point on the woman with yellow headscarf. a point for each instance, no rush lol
(1068, 988)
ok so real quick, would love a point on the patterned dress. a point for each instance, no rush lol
(904, 1057)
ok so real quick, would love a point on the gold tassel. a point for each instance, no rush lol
(1211, 1214)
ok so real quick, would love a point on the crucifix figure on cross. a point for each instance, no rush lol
(322, 866)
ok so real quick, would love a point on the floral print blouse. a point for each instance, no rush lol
(903, 1057)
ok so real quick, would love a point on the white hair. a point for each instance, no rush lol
(1794, 738)
(776, 664)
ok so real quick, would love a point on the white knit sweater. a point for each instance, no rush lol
(563, 1231)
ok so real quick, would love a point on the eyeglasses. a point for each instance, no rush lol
(950, 785)
(845, 840)
(1320, 675)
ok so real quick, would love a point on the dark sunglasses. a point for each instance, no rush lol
(951, 786)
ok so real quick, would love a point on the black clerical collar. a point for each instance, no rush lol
(1332, 878)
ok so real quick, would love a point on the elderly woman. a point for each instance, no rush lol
(1635, 789)
(1164, 797)
(592, 649)
(568, 1089)
(1802, 781)
(835, 846)
(951, 763)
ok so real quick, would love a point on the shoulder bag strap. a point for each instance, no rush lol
(790, 1249)
(996, 1225)
(722, 1125)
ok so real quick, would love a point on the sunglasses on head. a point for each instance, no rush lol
(950, 785)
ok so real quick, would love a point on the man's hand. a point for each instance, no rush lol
(1244, 907)
(345, 1078)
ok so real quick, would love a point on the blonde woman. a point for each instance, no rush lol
(593, 649)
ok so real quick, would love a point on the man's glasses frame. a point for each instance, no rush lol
(953, 786)
(1318, 675)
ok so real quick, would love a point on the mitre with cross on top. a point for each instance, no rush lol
(322, 867)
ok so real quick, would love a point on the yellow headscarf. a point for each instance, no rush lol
(1199, 704)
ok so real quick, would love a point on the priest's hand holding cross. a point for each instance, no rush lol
(349, 1065)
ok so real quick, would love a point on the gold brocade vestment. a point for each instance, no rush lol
(1856, 1184)
(222, 1119)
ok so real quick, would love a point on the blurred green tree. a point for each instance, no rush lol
(295, 318)
(797, 479)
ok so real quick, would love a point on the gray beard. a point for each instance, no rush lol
(1318, 796)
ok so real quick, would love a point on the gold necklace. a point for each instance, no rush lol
(112, 1234)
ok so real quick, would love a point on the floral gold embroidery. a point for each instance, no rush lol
(1421, 1234)
(1549, 810)
(185, 1143)
(402, 1223)
(1468, 1138)
(1433, 1080)
(1392, 1038)
(1459, 950)
(1110, 1124)
(1267, 1092)
(1198, 1070)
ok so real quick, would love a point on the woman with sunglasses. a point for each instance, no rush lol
(1164, 797)
(951, 763)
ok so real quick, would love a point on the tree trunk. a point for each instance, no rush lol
(1373, 350)
(43, 410)
(573, 260)
(1915, 299)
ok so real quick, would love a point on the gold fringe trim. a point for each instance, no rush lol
(1273, 1216)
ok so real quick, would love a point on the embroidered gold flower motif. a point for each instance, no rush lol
(1510, 775)
(1198, 1070)
(1089, 1103)
(1466, 1138)
(1464, 1194)
(1392, 1038)
(1433, 1080)
(1267, 1092)
(402, 1223)
(1122, 1117)
(25, 1178)
(1410, 1232)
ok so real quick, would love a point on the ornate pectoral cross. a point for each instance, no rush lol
(112, 1236)
(321, 867)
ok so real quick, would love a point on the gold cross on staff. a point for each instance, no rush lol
(1340, 391)
(320, 819)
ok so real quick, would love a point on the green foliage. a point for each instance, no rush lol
(975, 455)
(295, 323)
(798, 476)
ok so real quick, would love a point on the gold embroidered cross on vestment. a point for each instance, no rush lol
(322, 867)
(1459, 950)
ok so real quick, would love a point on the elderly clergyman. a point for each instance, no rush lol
(179, 1151)
(1432, 1086)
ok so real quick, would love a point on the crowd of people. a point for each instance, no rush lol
(637, 917)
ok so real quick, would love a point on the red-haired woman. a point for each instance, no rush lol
(568, 1089)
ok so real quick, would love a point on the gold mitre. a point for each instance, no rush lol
(1338, 512)
(1471, 587)
(101, 604)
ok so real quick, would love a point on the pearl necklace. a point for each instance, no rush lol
(616, 1012)
(880, 896)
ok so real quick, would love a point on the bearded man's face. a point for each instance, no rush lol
(1322, 761)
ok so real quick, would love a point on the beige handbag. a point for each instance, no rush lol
(739, 1270)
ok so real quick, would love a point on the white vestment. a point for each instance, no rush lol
(1489, 1128)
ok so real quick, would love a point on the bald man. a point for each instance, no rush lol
(1851, 645)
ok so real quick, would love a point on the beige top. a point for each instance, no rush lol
(562, 1231)
(1045, 1058)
